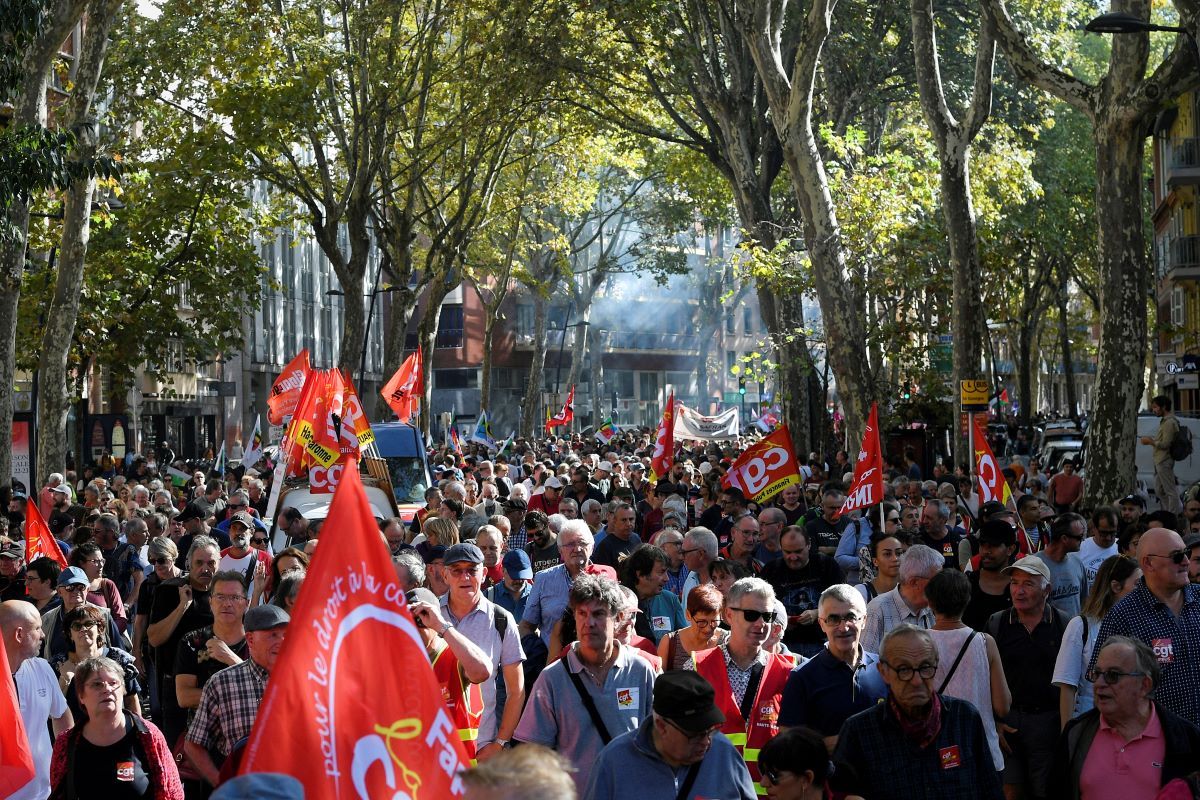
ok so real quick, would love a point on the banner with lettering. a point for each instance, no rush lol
(352, 708)
(867, 489)
(285, 392)
(691, 424)
(992, 485)
(765, 469)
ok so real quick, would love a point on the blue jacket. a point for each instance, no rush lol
(630, 760)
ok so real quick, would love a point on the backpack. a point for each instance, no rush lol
(1181, 444)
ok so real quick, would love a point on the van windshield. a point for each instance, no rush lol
(408, 478)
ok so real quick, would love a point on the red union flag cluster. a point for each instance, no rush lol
(331, 717)
(404, 391)
(328, 424)
(867, 489)
(765, 469)
(39, 541)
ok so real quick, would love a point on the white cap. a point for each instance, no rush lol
(553, 483)
(705, 467)
(603, 466)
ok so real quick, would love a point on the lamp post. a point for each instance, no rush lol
(1118, 22)
(386, 289)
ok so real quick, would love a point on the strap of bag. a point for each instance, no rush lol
(957, 661)
(590, 705)
(690, 779)
(747, 704)
(672, 646)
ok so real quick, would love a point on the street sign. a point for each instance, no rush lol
(974, 395)
(965, 419)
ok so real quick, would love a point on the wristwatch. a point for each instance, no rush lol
(446, 627)
(504, 743)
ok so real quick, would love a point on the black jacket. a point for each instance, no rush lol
(1182, 757)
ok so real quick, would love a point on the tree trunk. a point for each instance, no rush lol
(485, 379)
(795, 369)
(583, 314)
(531, 420)
(427, 338)
(1026, 332)
(1124, 284)
(596, 368)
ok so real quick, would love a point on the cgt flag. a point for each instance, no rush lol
(353, 730)
(867, 489)
(565, 416)
(285, 392)
(39, 541)
(992, 485)
(404, 391)
(664, 442)
(765, 469)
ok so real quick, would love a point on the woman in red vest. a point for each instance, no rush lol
(747, 680)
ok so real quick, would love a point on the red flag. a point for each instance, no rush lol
(16, 758)
(39, 541)
(405, 389)
(285, 392)
(354, 729)
(992, 485)
(867, 489)
(664, 443)
(765, 469)
(566, 415)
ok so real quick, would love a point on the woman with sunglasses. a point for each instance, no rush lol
(1117, 577)
(703, 611)
(795, 765)
(87, 639)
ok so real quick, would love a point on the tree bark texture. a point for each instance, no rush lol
(531, 420)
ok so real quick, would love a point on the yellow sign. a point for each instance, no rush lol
(974, 393)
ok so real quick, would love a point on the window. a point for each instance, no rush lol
(456, 379)
(748, 319)
(525, 319)
(450, 327)
(730, 361)
(648, 386)
(730, 323)
(620, 381)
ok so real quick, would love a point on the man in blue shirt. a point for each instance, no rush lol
(842, 679)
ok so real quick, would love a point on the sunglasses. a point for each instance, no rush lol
(1176, 556)
(256, 540)
(754, 616)
(1110, 676)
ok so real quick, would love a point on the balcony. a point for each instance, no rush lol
(662, 342)
(1182, 162)
(1179, 259)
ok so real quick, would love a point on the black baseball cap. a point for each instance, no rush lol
(998, 531)
(992, 507)
(1133, 499)
(463, 551)
(686, 698)
(190, 511)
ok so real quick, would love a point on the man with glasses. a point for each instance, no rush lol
(1164, 613)
(733, 506)
(747, 681)
(1028, 636)
(494, 631)
(72, 589)
(699, 550)
(743, 542)
(1128, 745)
(919, 743)
(677, 752)
(206, 651)
(1102, 543)
(798, 579)
(1068, 578)
(839, 681)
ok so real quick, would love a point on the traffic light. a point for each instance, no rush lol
(742, 384)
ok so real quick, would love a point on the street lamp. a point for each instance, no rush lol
(386, 289)
(1117, 22)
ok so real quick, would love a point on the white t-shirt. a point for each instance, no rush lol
(1074, 655)
(40, 699)
(1093, 555)
(242, 565)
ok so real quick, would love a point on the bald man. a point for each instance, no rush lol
(38, 691)
(1164, 612)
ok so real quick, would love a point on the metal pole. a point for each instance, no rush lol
(562, 346)
(362, 367)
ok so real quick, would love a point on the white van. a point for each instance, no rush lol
(1187, 472)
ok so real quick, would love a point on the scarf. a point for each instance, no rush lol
(921, 731)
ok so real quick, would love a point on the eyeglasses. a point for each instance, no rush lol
(754, 616)
(228, 598)
(462, 572)
(256, 540)
(695, 737)
(687, 550)
(892, 519)
(74, 588)
(1176, 556)
(1110, 676)
(838, 619)
(83, 626)
(906, 672)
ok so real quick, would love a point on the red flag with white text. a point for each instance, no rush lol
(664, 443)
(766, 468)
(992, 485)
(285, 392)
(39, 541)
(404, 390)
(352, 708)
(567, 414)
(16, 757)
(867, 488)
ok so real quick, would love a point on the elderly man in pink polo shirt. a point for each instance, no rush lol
(1127, 746)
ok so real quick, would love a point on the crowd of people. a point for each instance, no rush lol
(598, 634)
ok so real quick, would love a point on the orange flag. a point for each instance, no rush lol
(285, 392)
(664, 445)
(352, 728)
(405, 389)
(992, 485)
(16, 758)
(867, 489)
(766, 468)
(39, 541)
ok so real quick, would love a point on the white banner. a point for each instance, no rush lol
(691, 424)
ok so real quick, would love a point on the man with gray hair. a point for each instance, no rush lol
(122, 563)
(699, 550)
(747, 681)
(935, 532)
(592, 512)
(567, 509)
(595, 693)
(551, 587)
(410, 569)
(906, 603)
(842, 679)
